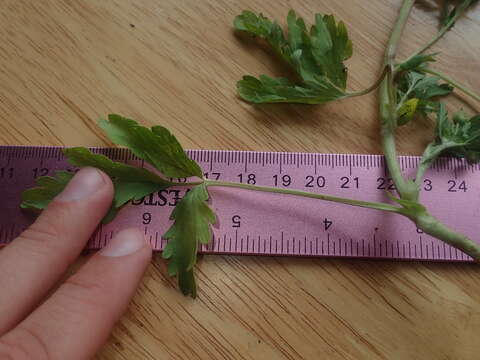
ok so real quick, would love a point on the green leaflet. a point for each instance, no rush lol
(459, 137)
(192, 219)
(130, 183)
(281, 90)
(81, 157)
(316, 56)
(156, 146)
(416, 93)
(417, 61)
(129, 190)
(39, 197)
(159, 147)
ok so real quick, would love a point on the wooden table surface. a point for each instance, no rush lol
(64, 64)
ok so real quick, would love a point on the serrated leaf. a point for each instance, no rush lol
(82, 157)
(281, 90)
(130, 183)
(126, 191)
(425, 89)
(39, 197)
(429, 87)
(157, 146)
(192, 220)
(316, 55)
(417, 61)
(459, 137)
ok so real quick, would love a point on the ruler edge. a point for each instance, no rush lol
(444, 162)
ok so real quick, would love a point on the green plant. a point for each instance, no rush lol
(407, 90)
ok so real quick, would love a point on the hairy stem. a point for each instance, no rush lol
(426, 161)
(441, 32)
(431, 153)
(432, 226)
(365, 204)
(429, 44)
(452, 82)
(388, 104)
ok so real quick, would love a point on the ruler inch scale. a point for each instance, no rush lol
(255, 223)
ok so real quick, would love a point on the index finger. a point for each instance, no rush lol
(35, 261)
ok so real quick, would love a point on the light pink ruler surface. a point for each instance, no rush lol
(255, 223)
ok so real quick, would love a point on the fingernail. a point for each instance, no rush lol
(84, 183)
(124, 243)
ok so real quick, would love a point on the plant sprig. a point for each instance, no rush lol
(407, 90)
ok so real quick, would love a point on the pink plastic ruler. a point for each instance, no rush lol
(255, 223)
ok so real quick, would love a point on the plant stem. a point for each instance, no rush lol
(431, 153)
(193, 183)
(432, 226)
(370, 88)
(424, 221)
(388, 116)
(425, 162)
(452, 82)
(441, 32)
(388, 105)
(429, 44)
(365, 204)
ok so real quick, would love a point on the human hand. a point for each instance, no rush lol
(77, 318)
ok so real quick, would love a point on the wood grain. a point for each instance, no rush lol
(63, 64)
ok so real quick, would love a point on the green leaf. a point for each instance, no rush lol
(126, 191)
(417, 93)
(39, 197)
(407, 111)
(192, 219)
(254, 24)
(130, 183)
(417, 61)
(82, 157)
(316, 55)
(281, 90)
(459, 137)
(428, 88)
(156, 146)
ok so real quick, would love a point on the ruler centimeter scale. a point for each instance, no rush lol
(255, 223)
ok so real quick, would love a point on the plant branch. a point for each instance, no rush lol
(388, 105)
(443, 30)
(375, 85)
(432, 226)
(193, 183)
(388, 114)
(360, 203)
(431, 153)
(424, 221)
(428, 157)
(432, 42)
(451, 82)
